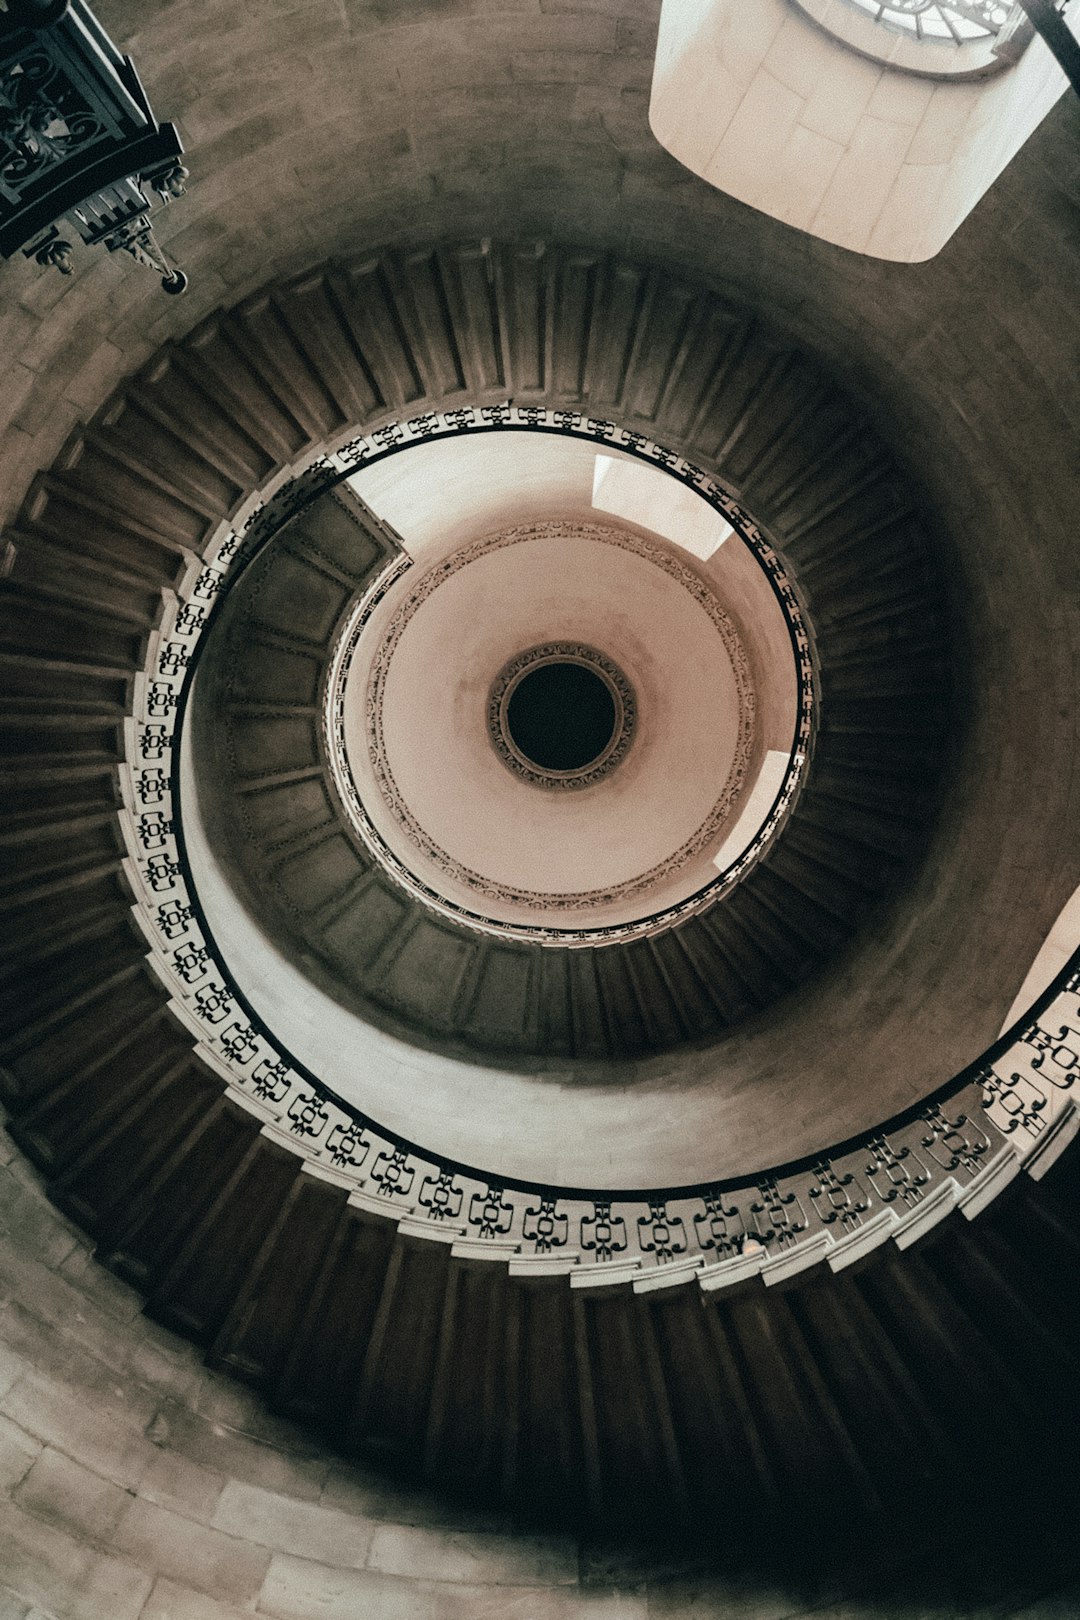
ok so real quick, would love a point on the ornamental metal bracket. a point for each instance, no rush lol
(81, 154)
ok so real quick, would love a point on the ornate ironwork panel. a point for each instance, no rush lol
(80, 148)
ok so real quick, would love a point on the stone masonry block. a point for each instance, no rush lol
(175, 1482)
(92, 1434)
(70, 1495)
(306, 1529)
(168, 1601)
(440, 1555)
(190, 1553)
(12, 1367)
(18, 1451)
(61, 1573)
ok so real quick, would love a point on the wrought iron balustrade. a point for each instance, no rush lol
(1013, 1109)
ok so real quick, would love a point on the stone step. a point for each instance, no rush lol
(77, 515)
(148, 1233)
(266, 1310)
(314, 1377)
(36, 929)
(149, 1128)
(665, 1408)
(716, 969)
(195, 1289)
(216, 360)
(63, 1115)
(67, 574)
(388, 1403)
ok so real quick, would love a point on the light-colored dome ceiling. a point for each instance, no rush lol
(417, 725)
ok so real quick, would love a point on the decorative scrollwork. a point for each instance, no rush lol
(44, 121)
(954, 1143)
(1057, 1056)
(622, 694)
(308, 1116)
(393, 1175)
(270, 1081)
(661, 1234)
(896, 1171)
(603, 1234)
(347, 1146)
(1015, 1101)
(241, 1043)
(441, 1196)
(838, 1197)
(720, 1228)
(777, 1212)
(545, 1227)
(490, 1213)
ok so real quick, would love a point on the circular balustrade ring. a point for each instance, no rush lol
(373, 681)
(877, 741)
(834, 1202)
(602, 704)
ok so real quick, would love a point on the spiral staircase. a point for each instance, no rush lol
(877, 621)
(759, 1389)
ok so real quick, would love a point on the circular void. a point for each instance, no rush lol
(561, 715)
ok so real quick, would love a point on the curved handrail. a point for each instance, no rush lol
(948, 53)
(1011, 1108)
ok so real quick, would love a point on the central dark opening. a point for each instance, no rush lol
(561, 716)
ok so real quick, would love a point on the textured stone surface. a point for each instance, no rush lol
(75, 1544)
(455, 1556)
(481, 119)
(220, 1565)
(57, 1488)
(304, 1529)
(18, 1451)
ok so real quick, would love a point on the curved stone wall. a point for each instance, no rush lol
(138, 1484)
